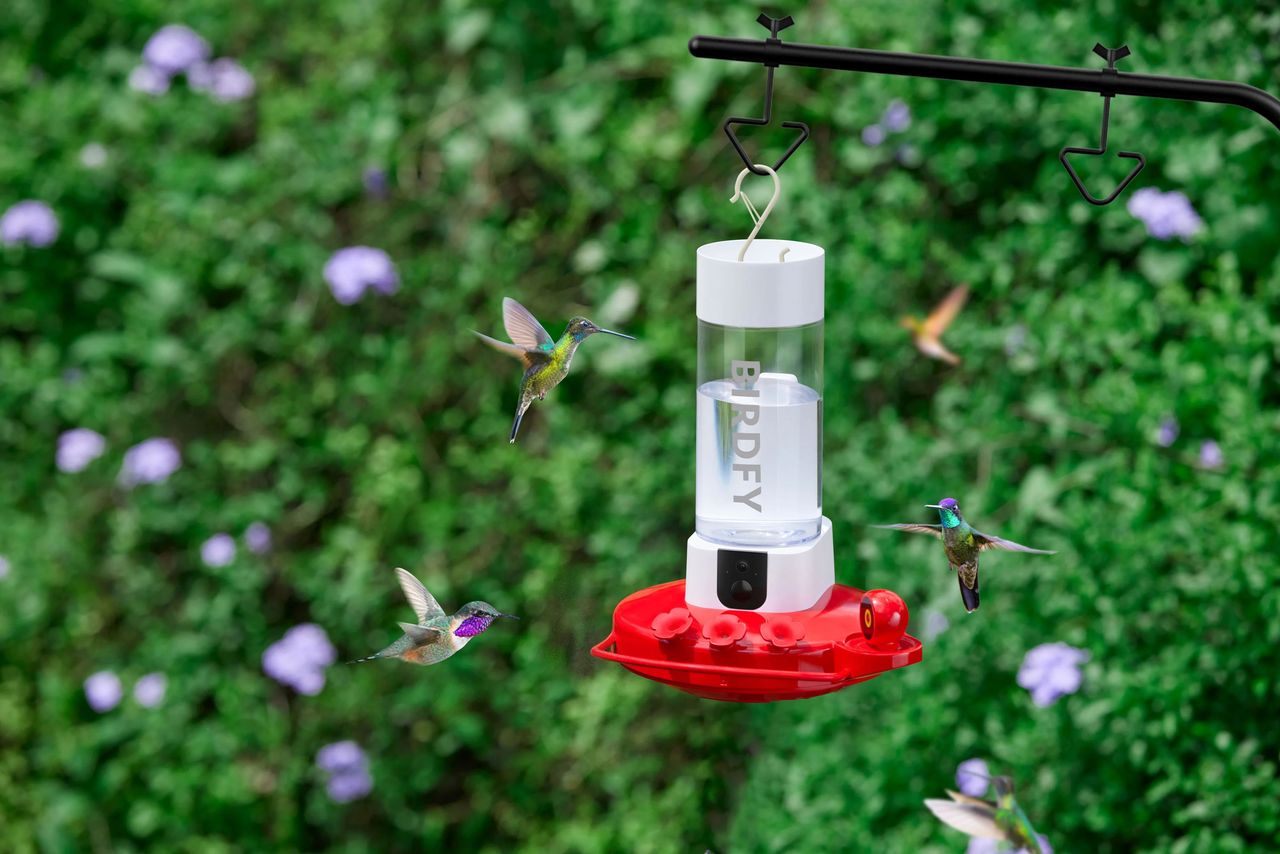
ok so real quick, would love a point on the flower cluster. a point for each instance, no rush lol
(1051, 671)
(29, 222)
(151, 461)
(218, 550)
(176, 49)
(896, 119)
(300, 658)
(348, 770)
(355, 269)
(104, 691)
(1166, 215)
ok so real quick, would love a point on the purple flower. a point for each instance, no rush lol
(224, 79)
(344, 788)
(258, 538)
(935, 623)
(1211, 455)
(1167, 434)
(151, 461)
(149, 690)
(873, 135)
(218, 550)
(30, 222)
(148, 80)
(341, 756)
(348, 770)
(4, 567)
(897, 117)
(77, 448)
(973, 777)
(103, 691)
(175, 48)
(983, 845)
(299, 658)
(350, 271)
(375, 182)
(1165, 215)
(1050, 671)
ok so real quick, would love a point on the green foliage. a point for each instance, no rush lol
(561, 154)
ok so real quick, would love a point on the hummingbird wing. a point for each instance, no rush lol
(529, 357)
(913, 528)
(968, 818)
(970, 800)
(940, 318)
(420, 634)
(424, 604)
(523, 328)
(990, 541)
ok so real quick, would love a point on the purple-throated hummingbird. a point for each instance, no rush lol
(436, 635)
(962, 544)
(546, 362)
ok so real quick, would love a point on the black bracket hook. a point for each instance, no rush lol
(1111, 55)
(775, 25)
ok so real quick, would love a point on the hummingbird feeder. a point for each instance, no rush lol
(759, 615)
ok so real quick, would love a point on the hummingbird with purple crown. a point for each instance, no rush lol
(437, 635)
(546, 361)
(1000, 819)
(962, 544)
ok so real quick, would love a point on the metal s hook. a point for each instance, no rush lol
(757, 217)
(1111, 55)
(775, 25)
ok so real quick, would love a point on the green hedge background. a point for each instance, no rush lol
(569, 154)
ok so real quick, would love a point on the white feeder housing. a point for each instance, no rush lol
(761, 541)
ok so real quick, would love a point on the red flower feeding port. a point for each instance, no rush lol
(759, 616)
(822, 649)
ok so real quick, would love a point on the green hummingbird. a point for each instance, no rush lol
(546, 362)
(1002, 819)
(436, 635)
(962, 544)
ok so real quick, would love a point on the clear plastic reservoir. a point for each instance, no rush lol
(759, 434)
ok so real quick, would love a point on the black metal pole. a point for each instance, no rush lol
(1104, 81)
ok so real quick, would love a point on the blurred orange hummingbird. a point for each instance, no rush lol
(927, 333)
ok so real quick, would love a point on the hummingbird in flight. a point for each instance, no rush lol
(927, 333)
(436, 635)
(1001, 819)
(963, 543)
(546, 362)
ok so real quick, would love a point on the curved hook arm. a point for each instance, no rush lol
(1110, 55)
(757, 217)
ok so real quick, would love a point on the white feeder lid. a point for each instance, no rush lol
(760, 292)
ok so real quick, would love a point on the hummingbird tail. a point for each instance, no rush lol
(970, 597)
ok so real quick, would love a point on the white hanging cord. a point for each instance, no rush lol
(757, 217)
(782, 256)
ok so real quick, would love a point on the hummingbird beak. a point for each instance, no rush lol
(935, 507)
(509, 616)
(619, 334)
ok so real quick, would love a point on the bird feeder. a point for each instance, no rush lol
(759, 616)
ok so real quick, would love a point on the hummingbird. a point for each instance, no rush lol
(927, 333)
(1002, 819)
(436, 636)
(962, 544)
(546, 362)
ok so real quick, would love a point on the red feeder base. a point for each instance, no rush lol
(755, 657)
